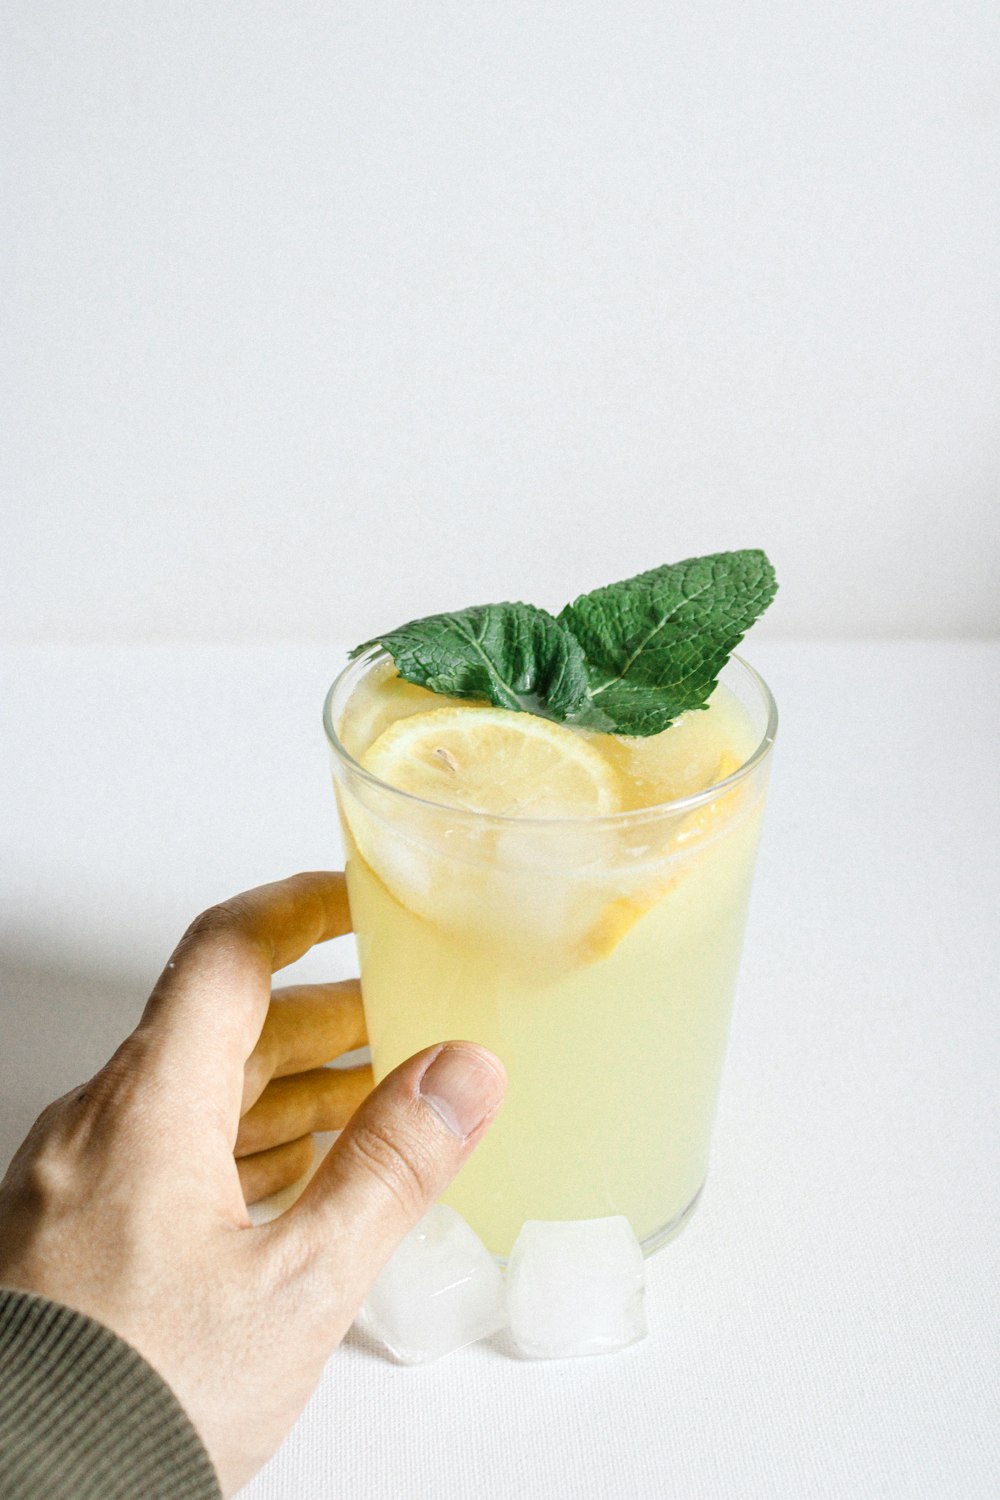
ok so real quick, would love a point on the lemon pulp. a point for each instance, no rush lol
(489, 760)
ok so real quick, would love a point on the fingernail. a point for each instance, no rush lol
(462, 1088)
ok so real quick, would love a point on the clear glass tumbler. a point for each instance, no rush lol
(596, 956)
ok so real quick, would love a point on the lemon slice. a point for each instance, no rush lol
(491, 760)
(697, 828)
(507, 884)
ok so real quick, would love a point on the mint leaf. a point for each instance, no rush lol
(655, 644)
(625, 659)
(513, 655)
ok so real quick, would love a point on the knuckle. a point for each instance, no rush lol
(45, 1171)
(48, 1176)
(223, 917)
(400, 1169)
(220, 932)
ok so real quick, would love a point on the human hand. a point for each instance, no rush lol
(125, 1200)
(288, 1092)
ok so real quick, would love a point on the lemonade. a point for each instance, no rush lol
(572, 899)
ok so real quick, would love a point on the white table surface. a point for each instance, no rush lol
(827, 1324)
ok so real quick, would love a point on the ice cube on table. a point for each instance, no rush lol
(575, 1286)
(441, 1290)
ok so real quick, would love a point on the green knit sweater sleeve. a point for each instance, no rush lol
(84, 1417)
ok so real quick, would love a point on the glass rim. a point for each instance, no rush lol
(629, 817)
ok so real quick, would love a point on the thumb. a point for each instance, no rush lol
(399, 1152)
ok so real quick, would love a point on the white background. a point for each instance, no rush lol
(319, 316)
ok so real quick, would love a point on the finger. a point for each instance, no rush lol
(396, 1156)
(323, 1099)
(208, 1006)
(268, 1171)
(306, 1026)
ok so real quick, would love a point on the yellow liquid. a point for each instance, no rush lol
(599, 968)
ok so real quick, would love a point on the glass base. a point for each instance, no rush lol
(664, 1235)
(657, 1239)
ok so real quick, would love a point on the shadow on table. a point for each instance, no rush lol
(59, 1022)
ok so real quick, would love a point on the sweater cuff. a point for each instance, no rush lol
(83, 1415)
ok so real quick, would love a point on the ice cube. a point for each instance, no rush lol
(575, 1286)
(441, 1290)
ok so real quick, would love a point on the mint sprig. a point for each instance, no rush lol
(627, 659)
